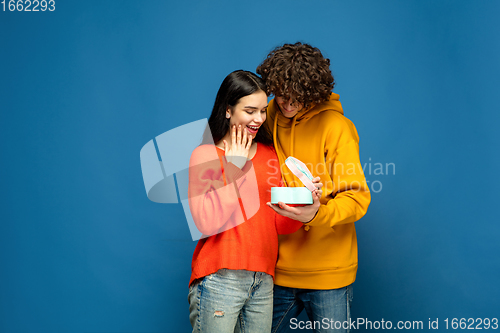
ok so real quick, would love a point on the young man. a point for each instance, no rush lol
(317, 264)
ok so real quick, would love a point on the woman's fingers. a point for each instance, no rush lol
(233, 136)
(249, 143)
(238, 135)
(241, 141)
(244, 140)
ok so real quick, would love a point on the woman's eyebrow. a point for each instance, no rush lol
(253, 107)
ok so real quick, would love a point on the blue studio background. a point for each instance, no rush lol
(84, 87)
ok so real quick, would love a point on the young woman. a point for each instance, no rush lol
(231, 285)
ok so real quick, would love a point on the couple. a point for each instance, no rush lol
(239, 283)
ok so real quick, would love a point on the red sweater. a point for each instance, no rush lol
(228, 205)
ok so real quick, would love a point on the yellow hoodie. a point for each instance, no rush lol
(323, 254)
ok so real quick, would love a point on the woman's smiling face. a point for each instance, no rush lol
(249, 112)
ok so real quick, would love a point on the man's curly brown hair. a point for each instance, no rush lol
(297, 71)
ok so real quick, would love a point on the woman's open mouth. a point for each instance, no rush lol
(252, 129)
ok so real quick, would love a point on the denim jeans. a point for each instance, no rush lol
(327, 310)
(232, 301)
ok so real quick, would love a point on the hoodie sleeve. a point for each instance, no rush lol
(347, 194)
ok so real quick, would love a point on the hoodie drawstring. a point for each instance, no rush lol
(277, 145)
(292, 134)
(281, 157)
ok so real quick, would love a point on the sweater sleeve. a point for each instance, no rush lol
(347, 193)
(213, 194)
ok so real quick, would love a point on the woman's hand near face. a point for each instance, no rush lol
(239, 150)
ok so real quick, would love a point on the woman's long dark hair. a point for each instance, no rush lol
(236, 85)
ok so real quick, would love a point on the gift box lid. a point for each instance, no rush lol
(299, 169)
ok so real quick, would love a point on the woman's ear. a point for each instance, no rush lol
(228, 113)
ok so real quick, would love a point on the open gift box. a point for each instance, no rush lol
(295, 195)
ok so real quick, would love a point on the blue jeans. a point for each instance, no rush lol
(232, 301)
(328, 310)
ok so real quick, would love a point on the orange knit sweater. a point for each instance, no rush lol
(228, 206)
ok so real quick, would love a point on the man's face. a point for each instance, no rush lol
(288, 109)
